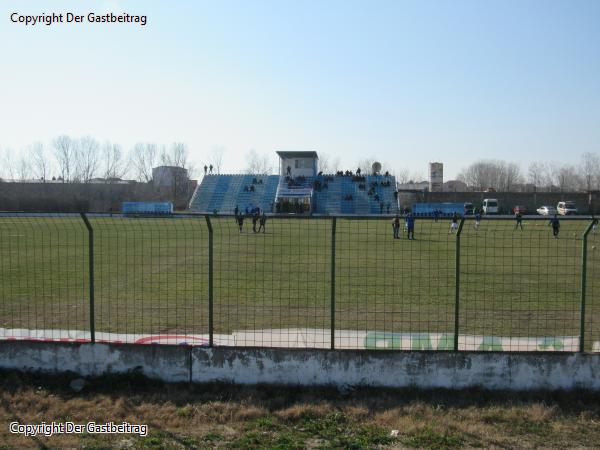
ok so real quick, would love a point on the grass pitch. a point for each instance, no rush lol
(151, 276)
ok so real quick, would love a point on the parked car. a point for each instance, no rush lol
(469, 209)
(566, 208)
(546, 210)
(490, 206)
(519, 209)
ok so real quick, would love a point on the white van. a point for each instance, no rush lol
(566, 208)
(490, 206)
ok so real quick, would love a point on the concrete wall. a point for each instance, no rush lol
(586, 202)
(312, 367)
(62, 197)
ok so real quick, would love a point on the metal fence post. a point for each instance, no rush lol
(210, 281)
(88, 225)
(457, 283)
(332, 313)
(583, 286)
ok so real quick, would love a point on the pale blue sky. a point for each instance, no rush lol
(407, 82)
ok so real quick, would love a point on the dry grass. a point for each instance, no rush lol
(228, 416)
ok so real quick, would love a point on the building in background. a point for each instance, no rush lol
(436, 177)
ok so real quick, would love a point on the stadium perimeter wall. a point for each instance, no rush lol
(512, 371)
(97, 197)
(587, 202)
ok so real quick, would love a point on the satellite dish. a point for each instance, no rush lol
(376, 167)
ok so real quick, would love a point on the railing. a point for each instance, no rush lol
(319, 282)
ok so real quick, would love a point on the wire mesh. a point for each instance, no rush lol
(520, 285)
(293, 282)
(272, 286)
(43, 277)
(151, 279)
(394, 293)
(592, 316)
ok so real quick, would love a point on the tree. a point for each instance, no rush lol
(143, 159)
(486, 174)
(328, 165)
(64, 152)
(366, 165)
(8, 165)
(590, 171)
(86, 159)
(23, 168)
(216, 158)
(566, 177)
(403, 176)
(38, 161)
(258, 164)
(114, 164)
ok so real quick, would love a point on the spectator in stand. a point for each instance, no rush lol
(388, 208)
(289, 170)
(381, 208)
(396, 227)
(205, 169)
(358, 171)
(210, 168)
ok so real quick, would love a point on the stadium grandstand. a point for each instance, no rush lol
(298, 189)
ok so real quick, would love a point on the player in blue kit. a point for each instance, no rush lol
(410, 226)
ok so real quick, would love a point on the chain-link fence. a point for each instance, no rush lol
(310, 282)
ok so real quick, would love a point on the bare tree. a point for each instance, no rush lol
(23, 168)
(403, 176)
(328, 165)
(64, 152)
(366, 165)
(38, 161)
(566, 177)
(216, 158)
(114, 163)
(258, 164)
(498, 175)
(590, 170)
(143, 159)
(86, 159)
(8, 165)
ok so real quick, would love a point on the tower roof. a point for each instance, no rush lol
(298, 155)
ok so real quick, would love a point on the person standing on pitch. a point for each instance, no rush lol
(454, 223)
(519, 219)
(410, 226)
(254, 220)
(240, 221)
(477, 220)
(263, 221)
(555, 226)
(396, 227)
